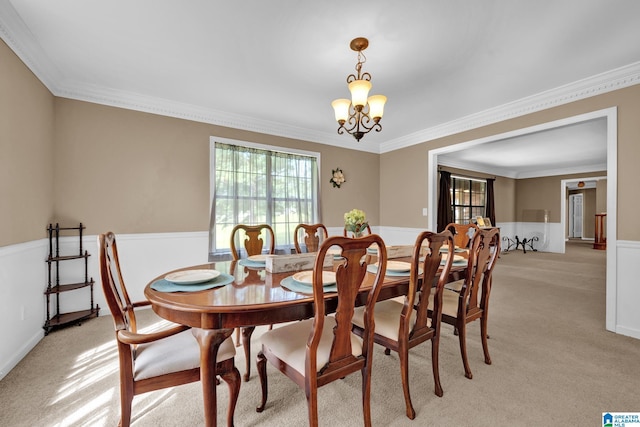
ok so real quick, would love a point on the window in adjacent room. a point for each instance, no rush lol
(468, 198)
(256, 184)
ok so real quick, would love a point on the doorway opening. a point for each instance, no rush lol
(575, 216)
(610, 115)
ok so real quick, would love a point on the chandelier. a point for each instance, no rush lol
(362, 113)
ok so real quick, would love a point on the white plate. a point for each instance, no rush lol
(399, 266)
(258, 258)
(189, 277)
(456, 258)
(306, 278)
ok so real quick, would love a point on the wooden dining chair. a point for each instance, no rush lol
(311, 234)
(462, 233)
(403, 324)
(471, 302)
(317, 351)
(251, 239)
(160, 359)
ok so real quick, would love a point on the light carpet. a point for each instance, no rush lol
(553, 363)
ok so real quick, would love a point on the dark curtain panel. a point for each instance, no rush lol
(445, 212)
(491, 209)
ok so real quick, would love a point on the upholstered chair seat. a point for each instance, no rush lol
(176, 353)
(387, 314)
(289, 344)
(449, 302)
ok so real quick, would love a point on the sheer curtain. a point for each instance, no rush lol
(256, 186)
(445, 212)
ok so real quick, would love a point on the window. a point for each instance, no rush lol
(468, 197)
(256, 185)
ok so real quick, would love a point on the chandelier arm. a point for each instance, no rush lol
(360, 120)
(363, 76)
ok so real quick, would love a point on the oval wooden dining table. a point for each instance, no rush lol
(255, 297)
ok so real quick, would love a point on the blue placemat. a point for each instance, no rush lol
(164, 285)
(462, 263)
(302, 288)
(252, 264)
(372, 268)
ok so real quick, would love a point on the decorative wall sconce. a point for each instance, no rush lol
(337, 178)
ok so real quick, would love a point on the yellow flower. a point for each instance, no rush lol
(355, 221)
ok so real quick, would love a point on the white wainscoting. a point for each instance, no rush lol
(627, 320)
(23, 277)
(23, 273)
(550, 235)
(23, 280)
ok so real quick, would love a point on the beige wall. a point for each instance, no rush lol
(403, 178)
(133, 172)
(589, 212)
(26, 152)
(601, 196)
(544, 193)
(505, 196)
(412, 161)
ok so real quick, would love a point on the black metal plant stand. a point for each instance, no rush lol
(515, 244)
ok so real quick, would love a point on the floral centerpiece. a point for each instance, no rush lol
(355, 221)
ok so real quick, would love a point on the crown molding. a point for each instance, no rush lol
(618, 78)
(602, 83)
(21, 42)
(165, 107)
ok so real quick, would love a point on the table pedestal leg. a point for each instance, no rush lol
(210, 340)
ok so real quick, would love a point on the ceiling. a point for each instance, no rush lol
(275, 66)
(583, 149)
